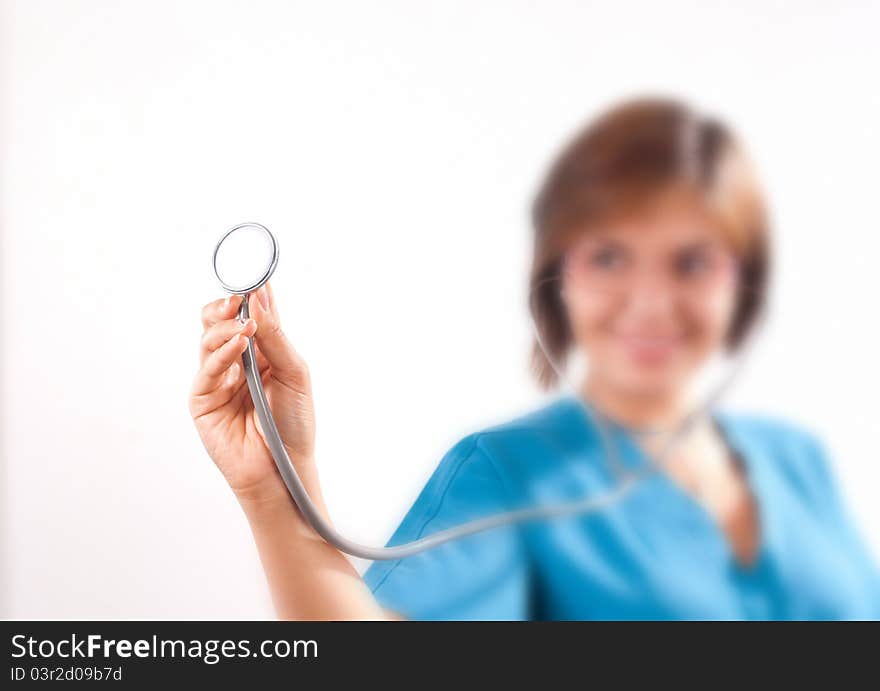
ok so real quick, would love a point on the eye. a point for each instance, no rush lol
(606, 257)
(693, 263)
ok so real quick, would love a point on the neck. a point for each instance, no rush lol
(655, 410)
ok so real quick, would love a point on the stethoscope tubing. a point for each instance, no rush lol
(329, 534)
(627, 479)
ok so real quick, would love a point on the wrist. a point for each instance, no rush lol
(270, 500)
(272, 515)
(269, 503)
(269, 495)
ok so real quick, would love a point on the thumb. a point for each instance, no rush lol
(287, 365)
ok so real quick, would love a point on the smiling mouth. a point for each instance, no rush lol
(649, 349)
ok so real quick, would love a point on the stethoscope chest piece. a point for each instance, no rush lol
(245, 258)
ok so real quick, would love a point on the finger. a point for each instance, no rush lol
(271, 295)
(263, 367)
(286, 363)
(262, 362)
(232, 386)
(214, 368)
(219, 310)
(230, 383)
(216, 335)
(236, 381)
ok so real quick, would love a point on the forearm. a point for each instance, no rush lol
(308, 578)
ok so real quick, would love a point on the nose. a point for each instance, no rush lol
(649, 294)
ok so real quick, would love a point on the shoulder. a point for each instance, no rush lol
(474, 476)
(559, 424)
(779, 433)
(541, 448)
(797, 453)
(551, 430)
(502, 453)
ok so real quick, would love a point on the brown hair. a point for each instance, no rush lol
(617, 163)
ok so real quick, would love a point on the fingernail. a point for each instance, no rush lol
(263, 298)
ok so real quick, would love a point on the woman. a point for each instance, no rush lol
(651, 258)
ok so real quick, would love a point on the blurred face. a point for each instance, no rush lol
(650, 297)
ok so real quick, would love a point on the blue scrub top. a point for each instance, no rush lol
(654, 554)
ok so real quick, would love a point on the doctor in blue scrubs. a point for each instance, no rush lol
(651, 258)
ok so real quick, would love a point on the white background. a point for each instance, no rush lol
(393, 147)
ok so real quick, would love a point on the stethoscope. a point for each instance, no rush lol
(245, 258)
